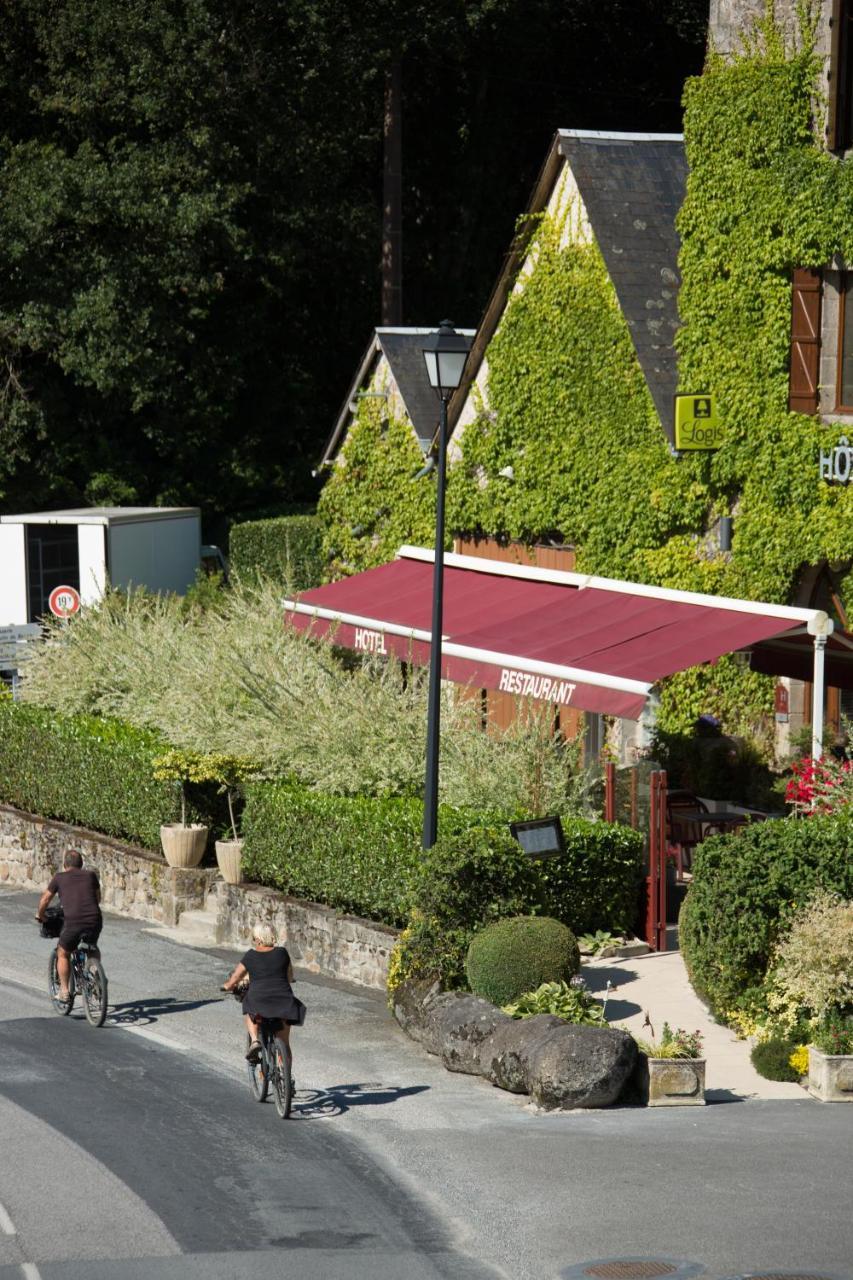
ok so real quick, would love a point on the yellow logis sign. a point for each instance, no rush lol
(696, 423)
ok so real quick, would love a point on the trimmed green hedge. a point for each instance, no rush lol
(287, 548)
(745, 889)
(511, 957)
(363, 855)
(92, 772)
(357, 854)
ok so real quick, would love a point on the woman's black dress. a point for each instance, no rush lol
(270, 994)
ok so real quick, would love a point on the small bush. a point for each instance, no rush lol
(745, 891)
(287, 549)
(92, 772)
(814, 961)
(511, 957)
(771, 1059)
(567, 1000)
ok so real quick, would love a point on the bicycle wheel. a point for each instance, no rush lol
(53, 987)
(95, 993)
(258, 1075)
(283, 1083)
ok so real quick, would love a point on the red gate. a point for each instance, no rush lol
(656, 881)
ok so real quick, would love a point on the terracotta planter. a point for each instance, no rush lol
(183, 846)
(676, 1082)
(228, 855)
(830, 1076)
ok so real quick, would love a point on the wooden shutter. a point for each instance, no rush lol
(804, 391)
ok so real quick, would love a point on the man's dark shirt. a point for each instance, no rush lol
(78, 891)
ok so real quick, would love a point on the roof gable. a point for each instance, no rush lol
(632, 187)
(402, 349)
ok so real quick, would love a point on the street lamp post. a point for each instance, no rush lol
(445, 353)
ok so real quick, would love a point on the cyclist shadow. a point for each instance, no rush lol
(318, 1104)
(144, 1012)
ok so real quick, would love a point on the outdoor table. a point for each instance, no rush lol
(724, 818)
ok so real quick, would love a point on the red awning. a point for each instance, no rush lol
(590, 643)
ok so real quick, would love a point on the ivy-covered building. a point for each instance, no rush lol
(563, 436)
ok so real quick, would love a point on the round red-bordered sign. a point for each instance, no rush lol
(63, 601)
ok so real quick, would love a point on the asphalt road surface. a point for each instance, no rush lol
(137, 1151)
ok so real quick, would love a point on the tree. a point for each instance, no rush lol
(190, 213)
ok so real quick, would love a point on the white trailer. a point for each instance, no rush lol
(154, 547)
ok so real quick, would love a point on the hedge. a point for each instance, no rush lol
(95, 773)
(363, 855)
(287, 548)
(745, 889)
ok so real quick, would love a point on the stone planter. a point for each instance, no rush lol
(830, 1076)
(676, 1082)
(183, 846)
(228, 855)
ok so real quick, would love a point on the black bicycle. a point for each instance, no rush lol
(87, 978)
(272, 1068)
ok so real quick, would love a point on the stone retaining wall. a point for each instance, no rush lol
(136, 882)
(318, 938)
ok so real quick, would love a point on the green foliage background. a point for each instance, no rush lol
(745, 890)
(568, 408)
(287, 549)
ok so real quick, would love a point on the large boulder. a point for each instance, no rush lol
(505, 1057)
(416, 1004)
(462, 1029)
(579, 1066)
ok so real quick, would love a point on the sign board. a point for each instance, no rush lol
(19, 634)
(63, 602)
(14, 648)
(836, 465)
(697, 425)
(540, 837)
(781, 703)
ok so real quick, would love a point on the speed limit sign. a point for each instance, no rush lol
(63, 601)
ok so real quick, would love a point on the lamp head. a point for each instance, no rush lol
(445, 352)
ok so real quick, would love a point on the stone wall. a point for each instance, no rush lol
(134, 881)
(138, 883)
(318, 938)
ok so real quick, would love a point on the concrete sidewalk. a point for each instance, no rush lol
(657, 984)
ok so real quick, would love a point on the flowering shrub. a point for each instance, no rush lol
(819, 786)
(673, 1044)
(834, 1034)
(798, 1061)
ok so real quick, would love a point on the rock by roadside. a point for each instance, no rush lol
(560, 1065)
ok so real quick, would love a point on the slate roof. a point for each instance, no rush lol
(632, 186)
(403, 349)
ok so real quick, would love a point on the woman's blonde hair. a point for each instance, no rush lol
(264, 934)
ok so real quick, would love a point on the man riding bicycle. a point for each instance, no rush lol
(80, 895)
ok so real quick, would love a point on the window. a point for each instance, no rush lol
(844, 385)
(840, 123)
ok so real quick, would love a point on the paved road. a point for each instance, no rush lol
(150, 1159)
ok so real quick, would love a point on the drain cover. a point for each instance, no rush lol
(634, 1269)
(639, 1270)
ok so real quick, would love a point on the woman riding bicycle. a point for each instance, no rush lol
(269, 994)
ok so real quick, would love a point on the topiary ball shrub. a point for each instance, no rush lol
(770, 1059)
(516, 955)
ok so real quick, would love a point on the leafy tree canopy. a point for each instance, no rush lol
(190, 211)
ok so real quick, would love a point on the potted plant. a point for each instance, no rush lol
(183, 842)
(831, 1059)
(674, 1071)
(230, 772)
